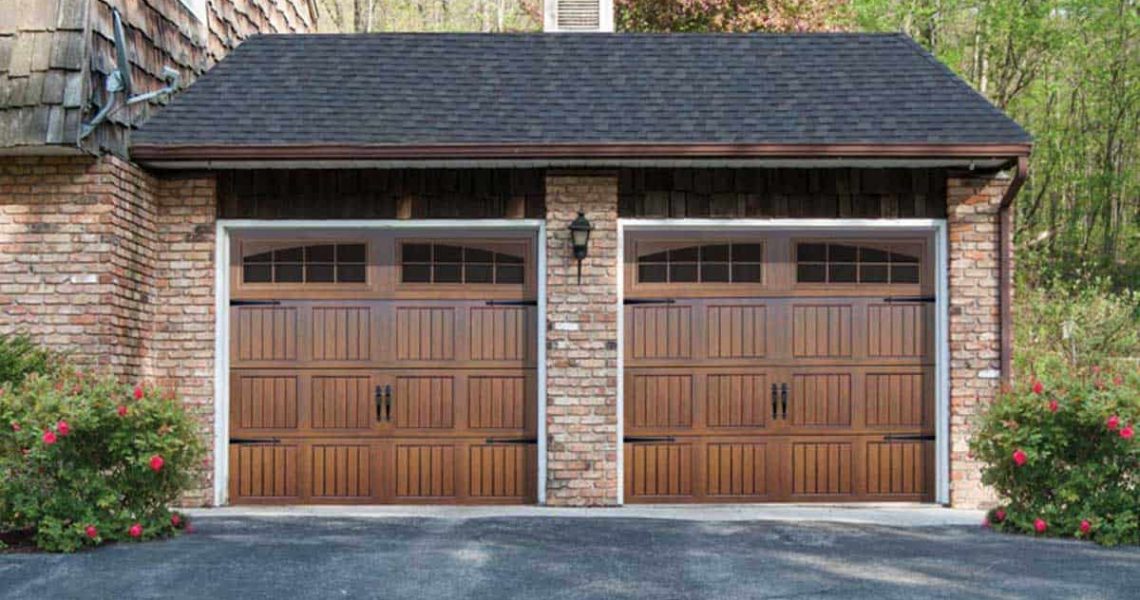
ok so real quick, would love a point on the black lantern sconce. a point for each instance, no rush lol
(580, 239)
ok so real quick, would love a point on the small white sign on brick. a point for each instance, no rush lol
(566, 327)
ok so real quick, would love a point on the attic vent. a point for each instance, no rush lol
(578, 15)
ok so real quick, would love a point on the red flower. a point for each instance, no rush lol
(1019, 457)
(135, 531)
(49, 437)
(122, 410)
(1118, 380)
(1113, 422)
(1086, 527)
(1053, 406)
(175, 520)
(91, 532)
(63, 428)
(1038, 387)
(189, 528)
(15, 426)
(1096, 369)
(1127, 433)
(138, 392)
(999, 515)
(1040, 526)
(156, 463)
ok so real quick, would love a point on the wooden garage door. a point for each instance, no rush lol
(382, 368)
(778, 368)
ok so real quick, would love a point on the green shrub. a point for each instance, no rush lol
(83, 460)
(19, 356)
(1061, 451)
(1083, 322)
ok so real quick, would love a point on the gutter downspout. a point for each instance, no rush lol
(1005, 266)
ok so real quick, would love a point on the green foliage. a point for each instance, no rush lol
(79, 451)
(1069, 71)
(19, 356)
(1080, 322)
(729, 15)
(1076, 433)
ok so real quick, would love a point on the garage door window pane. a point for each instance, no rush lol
(425, 262)
(870, 263)
(706, 263)
(304, 264)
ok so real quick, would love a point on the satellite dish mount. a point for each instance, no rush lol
(118, 82)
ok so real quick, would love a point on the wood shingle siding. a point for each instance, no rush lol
(381, 194)
(783, 193)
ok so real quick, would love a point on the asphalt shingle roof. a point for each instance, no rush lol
(423, 89)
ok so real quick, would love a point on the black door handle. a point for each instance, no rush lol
(775, 413)
(380, 403)
(784, 398)
(388, 403)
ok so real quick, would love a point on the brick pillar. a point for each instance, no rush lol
(975, 323)
(182, 337)
(581, 338)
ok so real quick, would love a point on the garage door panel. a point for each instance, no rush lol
(659, 400)
(822, 331)
(424, 401)
(900, 469)
(821, 399)
(737, 400)
(264, 334)
(822, 468)
(265, 472)
(660, 472)
(735, 331)
(425, 333)
(659, 332)
(341, 334)
(502, 471)
(264, 401)
(899, 399)
(342, 402)
(500, 402)
(341, 471)
(738, 471)
(501, 334)
(425, 470)
(899, 330)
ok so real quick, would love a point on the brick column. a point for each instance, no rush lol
(581, 338)
(975, 323)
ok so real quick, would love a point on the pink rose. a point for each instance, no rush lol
(49, 437)
(1040, 526)
(175, 520)
(122, 410)
(1127, 433)
(986, 522)
(91, 532)
(1113, 422)
(15, 426)
(63, 428)
(156, 463)
(1038, 387)
(135, 531)
(1086, 527)
(138, 392)
(1020, 457)
(1053, 406)
(1118, 380)
(999, 515)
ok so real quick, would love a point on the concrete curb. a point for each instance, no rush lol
(890, 515)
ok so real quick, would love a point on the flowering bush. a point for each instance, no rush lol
(1061, 451)
(86, 460)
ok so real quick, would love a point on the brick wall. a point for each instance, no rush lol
(975, 323)
(581, 356)
(181, 354)
(105, 262)
(77, 237)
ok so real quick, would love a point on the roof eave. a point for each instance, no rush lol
(157, 153)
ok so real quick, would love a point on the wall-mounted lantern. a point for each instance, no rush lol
(580, 229)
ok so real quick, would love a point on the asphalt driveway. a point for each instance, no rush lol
(564, 558)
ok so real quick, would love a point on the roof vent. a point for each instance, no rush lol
(578, 15)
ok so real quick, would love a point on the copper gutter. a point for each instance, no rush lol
(156, 152)
(1005, 265)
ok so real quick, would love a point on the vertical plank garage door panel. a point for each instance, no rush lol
(757, 371)
(382, 388)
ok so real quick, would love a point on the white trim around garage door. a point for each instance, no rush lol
(222, 304)
(934, 227)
